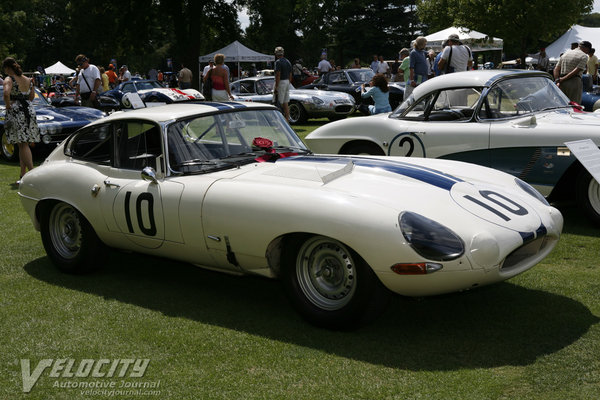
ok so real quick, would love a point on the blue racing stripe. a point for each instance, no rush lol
(223, 106)
(423, 174)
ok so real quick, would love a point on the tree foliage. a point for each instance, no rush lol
(346, 28)
(522, 24)
(140, 33)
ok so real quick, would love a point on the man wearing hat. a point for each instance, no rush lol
(113, 79)
(126, 76)
(283, 77)
(455, 56)
(568, 71)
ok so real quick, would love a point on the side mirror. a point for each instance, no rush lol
(149, 174)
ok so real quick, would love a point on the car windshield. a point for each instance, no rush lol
(148, 85)
(519, 96)
(219, 141)
(38, 100)
(361, 76)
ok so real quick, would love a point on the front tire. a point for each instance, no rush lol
(69, 239)
(297, 113)
(588, 195)
(329, 284)
(9, 151)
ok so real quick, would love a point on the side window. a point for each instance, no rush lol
(454, 104)
(138, 144)
(92, 144)
(337, 77)
(235, 87)
(129, 88)
(417, 111)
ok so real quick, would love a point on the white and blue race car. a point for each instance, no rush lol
(515, 121)
(230, 187)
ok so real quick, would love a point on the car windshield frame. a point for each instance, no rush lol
(358, 76)
(208, 142)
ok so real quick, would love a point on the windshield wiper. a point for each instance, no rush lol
(295, 149)
(196, 161)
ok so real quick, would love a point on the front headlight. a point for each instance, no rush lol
(530, 190)
(317, 100)
(430, 239)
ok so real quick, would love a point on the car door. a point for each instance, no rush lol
(142, 212)
(443, 125)
(514, 145)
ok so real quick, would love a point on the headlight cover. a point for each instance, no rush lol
(530, 190)
(317, 100)
(430, 239)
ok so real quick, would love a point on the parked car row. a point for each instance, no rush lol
(55, 123)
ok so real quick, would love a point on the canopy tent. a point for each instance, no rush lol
(477, 41)
(576, 33)
(236, 52)
(59, 69)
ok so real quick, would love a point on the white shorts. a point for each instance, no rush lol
(283, 91)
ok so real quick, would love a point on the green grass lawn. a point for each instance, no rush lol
(214, 336)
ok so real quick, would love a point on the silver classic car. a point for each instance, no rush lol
(304, 103)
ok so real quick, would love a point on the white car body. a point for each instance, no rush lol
(449, 117)
(303, 103)
(244, 218)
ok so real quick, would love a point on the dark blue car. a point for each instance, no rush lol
(55, 123)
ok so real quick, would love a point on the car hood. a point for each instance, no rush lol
(401, 184)
(319, 93)
(577, 118)
(66, 114)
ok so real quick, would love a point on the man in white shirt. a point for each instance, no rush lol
(88, 81)
(211, 65)
(324, 65)
(126, 73)
(455, 56)
(383, 67)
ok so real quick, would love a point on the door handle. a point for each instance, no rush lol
(109, 183)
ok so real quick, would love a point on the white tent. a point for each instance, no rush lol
(59, 69)
(235, 52)
(477, 41)
(576, 33)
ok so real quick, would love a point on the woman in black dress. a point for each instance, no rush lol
(20, 124)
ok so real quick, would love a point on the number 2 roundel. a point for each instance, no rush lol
(496, 206)
(406, 144)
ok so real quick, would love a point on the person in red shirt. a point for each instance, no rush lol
(112, 76)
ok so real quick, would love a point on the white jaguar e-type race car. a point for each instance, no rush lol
(229, 186)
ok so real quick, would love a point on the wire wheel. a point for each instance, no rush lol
(65, 231)
(326, 273)
(297, 113)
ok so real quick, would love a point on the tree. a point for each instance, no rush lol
(522, 24)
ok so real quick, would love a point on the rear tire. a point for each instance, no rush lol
(69, 239)
(588, 195)
(329, 284)
(362, 148)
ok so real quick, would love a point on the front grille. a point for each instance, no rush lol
(525, 252)
(343, 109)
